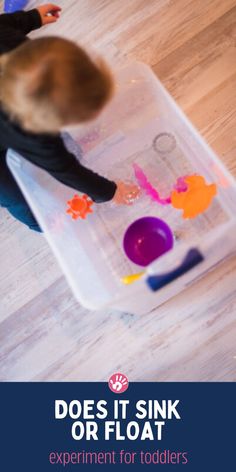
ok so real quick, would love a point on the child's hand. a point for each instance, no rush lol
(126, 193)
(49, 13)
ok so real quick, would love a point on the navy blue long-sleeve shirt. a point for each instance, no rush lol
(45, 150)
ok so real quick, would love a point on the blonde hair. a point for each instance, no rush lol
(48, 83)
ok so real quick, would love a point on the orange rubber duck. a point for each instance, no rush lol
(196, 199)
(79, 207)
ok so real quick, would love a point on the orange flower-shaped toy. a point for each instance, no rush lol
(79, 207)
(196, 199)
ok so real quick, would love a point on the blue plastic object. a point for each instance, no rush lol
(14, 5)
(156, 282)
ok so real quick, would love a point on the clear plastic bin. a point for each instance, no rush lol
(142, 125)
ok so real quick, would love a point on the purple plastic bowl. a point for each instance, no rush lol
(147, 239)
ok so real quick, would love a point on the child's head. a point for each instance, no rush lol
(49, 83)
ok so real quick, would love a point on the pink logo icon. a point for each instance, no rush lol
(118, 383)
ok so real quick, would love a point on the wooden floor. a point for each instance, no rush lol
(44, 333)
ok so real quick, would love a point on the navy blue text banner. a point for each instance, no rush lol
(52, 427)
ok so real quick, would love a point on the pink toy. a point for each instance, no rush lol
(149, 189)
(181, 185)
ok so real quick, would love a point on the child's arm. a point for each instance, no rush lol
(26, 21)
(50, 154)
(22, 21)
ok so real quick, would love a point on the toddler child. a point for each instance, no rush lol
(46, 85)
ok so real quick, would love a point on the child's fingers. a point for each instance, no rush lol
(49, 13)
(52, 7)
(50, 19)
(53, 15)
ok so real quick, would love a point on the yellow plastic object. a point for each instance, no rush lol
(79, 207)
(129, 279)
(196, 199)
